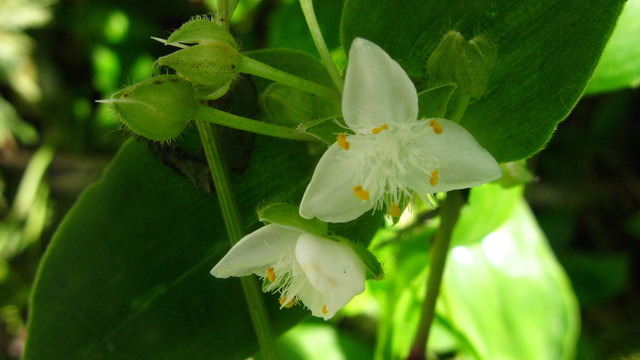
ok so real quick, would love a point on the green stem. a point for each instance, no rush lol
(235, 230)
(449, 213)
(219, 117)
(257, 68)
(233, 217)
(223, 14)
(318, 39)
(461, 106)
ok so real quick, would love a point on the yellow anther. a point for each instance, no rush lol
(437, 127)
(342, 141)
(434, 178)
(289, 304)
(270, 274)
(361, 193)
(395, 211)
(377, 130)
(324, 309)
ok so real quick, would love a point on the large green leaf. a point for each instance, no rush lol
(547, 51)
(127, 273)
(619, 66)
(509, 296)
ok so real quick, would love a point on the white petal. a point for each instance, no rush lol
(376, 90)
(333, 269)
(461, 162)
(255, 251)
(330, 196)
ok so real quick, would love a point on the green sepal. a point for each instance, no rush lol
(466, 63)
(287, 215)
(287, 106)
(198, 31)
(371, 263)
(158, 108)
(213, 64)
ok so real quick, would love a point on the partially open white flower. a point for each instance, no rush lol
(321, 273)
(392, 153)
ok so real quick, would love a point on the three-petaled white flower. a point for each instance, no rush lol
(392, 153)
(321, 273)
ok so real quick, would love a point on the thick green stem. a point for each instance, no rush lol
(219, 117)
(449, 213)
(318, 39)
(257, 68)
(233, 217)
(461, 106)
(235, 230)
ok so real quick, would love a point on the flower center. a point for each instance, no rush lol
(389, 163)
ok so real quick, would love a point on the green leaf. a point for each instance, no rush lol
(127, 273)
(509, 296)
(547, 50)
(619, 66)
(488, 207)
(287, 215)
(288, 28)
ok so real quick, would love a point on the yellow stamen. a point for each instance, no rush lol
(324, 309)
(434, 178)
(289, 304)
(395, 211)
(377, 130)
(437, 127)
(361, 193)
(342, 141)
(270, 274)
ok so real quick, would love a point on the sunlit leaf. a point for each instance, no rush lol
(509, 296)
(619, 66)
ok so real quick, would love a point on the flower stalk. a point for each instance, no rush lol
(219, 117)
(254, 67)
(233, 218)
(449, 213)
(318, 39)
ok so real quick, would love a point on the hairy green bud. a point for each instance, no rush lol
(467, 63)
(158, 108)
(213, 64)
(201, 31)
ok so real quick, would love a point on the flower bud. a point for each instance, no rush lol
(158, 108)
(213, 64)
(467, 63)
(201, 31)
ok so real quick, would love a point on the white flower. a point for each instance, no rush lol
(391, 153)
(321, 273)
